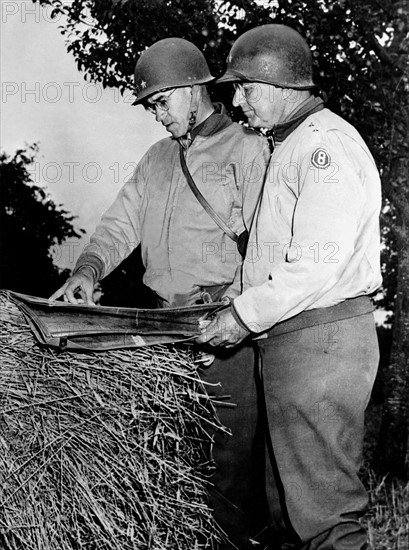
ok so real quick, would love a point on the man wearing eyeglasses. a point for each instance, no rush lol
(306, 300)
(187, 255)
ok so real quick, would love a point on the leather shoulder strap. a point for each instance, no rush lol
(215, 217)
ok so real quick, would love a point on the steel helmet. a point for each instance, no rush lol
(273, 54)
(169, 63)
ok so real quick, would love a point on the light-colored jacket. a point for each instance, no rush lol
(315, 239)
(182, 248)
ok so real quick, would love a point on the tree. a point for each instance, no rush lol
(361, 56)
(30, 224)
(124, 286)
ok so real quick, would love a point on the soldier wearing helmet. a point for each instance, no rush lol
(169, 65)
(312, 263)
(187, 255)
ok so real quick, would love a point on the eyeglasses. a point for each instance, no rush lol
(249, 91)
(162, 103)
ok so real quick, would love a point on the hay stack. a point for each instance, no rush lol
(99, 451)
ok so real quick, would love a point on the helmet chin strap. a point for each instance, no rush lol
(193, 108)
(186, 139)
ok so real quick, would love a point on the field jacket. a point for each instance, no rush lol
(183, 250)
(315, 240)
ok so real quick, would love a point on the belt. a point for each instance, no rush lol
(201, 295)
(353, 307)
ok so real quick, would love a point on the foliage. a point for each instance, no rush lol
(124, 287)
(389, 259)
(359, 53)
(387, 521)
(30, 224)
(361, 59)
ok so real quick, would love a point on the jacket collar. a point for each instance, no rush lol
(311, 105)
(216, 122)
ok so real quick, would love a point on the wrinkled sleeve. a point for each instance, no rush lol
(119, 230)
(324, 230)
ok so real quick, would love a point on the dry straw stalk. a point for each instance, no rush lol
(100, 451)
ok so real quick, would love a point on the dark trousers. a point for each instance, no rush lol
(230, 383)
(317, 382)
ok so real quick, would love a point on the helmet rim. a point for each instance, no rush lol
(272, 54)
(167, 64)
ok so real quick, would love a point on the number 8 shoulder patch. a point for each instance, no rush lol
(320, 158)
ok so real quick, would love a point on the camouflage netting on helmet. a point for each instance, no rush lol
(100, 451)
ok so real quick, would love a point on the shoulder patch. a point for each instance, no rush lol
(320, 158)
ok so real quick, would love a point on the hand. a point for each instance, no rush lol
(223, 330)
(83, 282)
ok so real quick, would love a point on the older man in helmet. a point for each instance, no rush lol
(187, 254)
(311, 265)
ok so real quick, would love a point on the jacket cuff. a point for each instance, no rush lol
(92, 262)
(238, 319)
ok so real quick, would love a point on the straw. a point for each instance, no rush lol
(101, 451)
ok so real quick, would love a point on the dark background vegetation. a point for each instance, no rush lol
(360, 54)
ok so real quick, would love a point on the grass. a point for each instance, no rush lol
(101, 452)
(388, 518)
